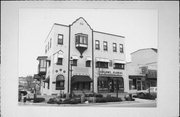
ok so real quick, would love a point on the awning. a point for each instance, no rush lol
(102, 60)
(136, 76)
(88, 59)
(80, 78)
(60, 78)
(118, 61)
(60, 56)
(74, 57)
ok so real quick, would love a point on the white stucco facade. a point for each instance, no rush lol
(79, 46)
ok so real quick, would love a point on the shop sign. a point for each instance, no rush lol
(110, 73)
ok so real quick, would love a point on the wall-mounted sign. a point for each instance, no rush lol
(110, 73)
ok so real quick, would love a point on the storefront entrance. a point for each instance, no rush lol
(81, 83)
(110, 84)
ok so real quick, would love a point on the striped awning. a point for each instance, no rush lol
(74, 57)
(102, 60)
(60, 56)
(88, 59)
(80, 78)
(118, 61)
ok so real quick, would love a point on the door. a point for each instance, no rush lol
(138, 83)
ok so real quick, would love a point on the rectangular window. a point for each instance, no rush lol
(59, 61)
(101, 64)
(74, 62)
(118, 66)
(121, 48)
(97, 45)
(42, 63)
(88, 63)
(114, 47)
(60, 39)
(105, 45)
(81, 39)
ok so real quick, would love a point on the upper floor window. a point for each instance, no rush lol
(42, 63)
(118, 66)
(101, 64)
(81, 39)
(88, 63)
(105, 45)
(121, 48)
(114, 47)
(97, 45)
(60, 39)
(74, 62)
(59, 61)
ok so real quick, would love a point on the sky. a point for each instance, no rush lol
(139, 26)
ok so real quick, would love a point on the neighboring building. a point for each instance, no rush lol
(77, 59)
(22, 83)
(142, 71)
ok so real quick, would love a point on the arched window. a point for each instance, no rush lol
(60, 82)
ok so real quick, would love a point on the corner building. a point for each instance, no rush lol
(78, 59)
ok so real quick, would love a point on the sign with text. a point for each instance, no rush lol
(110, 73)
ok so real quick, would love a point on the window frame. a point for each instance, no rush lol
(121, 48)
(74, 62)
(59, 61)
(88, 63)
(105, 45)
(81, 39)
(60, 40)
(119, 66)
(114, 47)
(102, 64)
(97, 44)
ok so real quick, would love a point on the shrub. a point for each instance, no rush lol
(38, 100)
(52, 101)
(108, 99)
(71, 101)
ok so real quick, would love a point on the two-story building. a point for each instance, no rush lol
(78, 58)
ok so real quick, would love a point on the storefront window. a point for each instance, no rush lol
(110, 84)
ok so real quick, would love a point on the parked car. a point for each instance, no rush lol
(151, 90)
